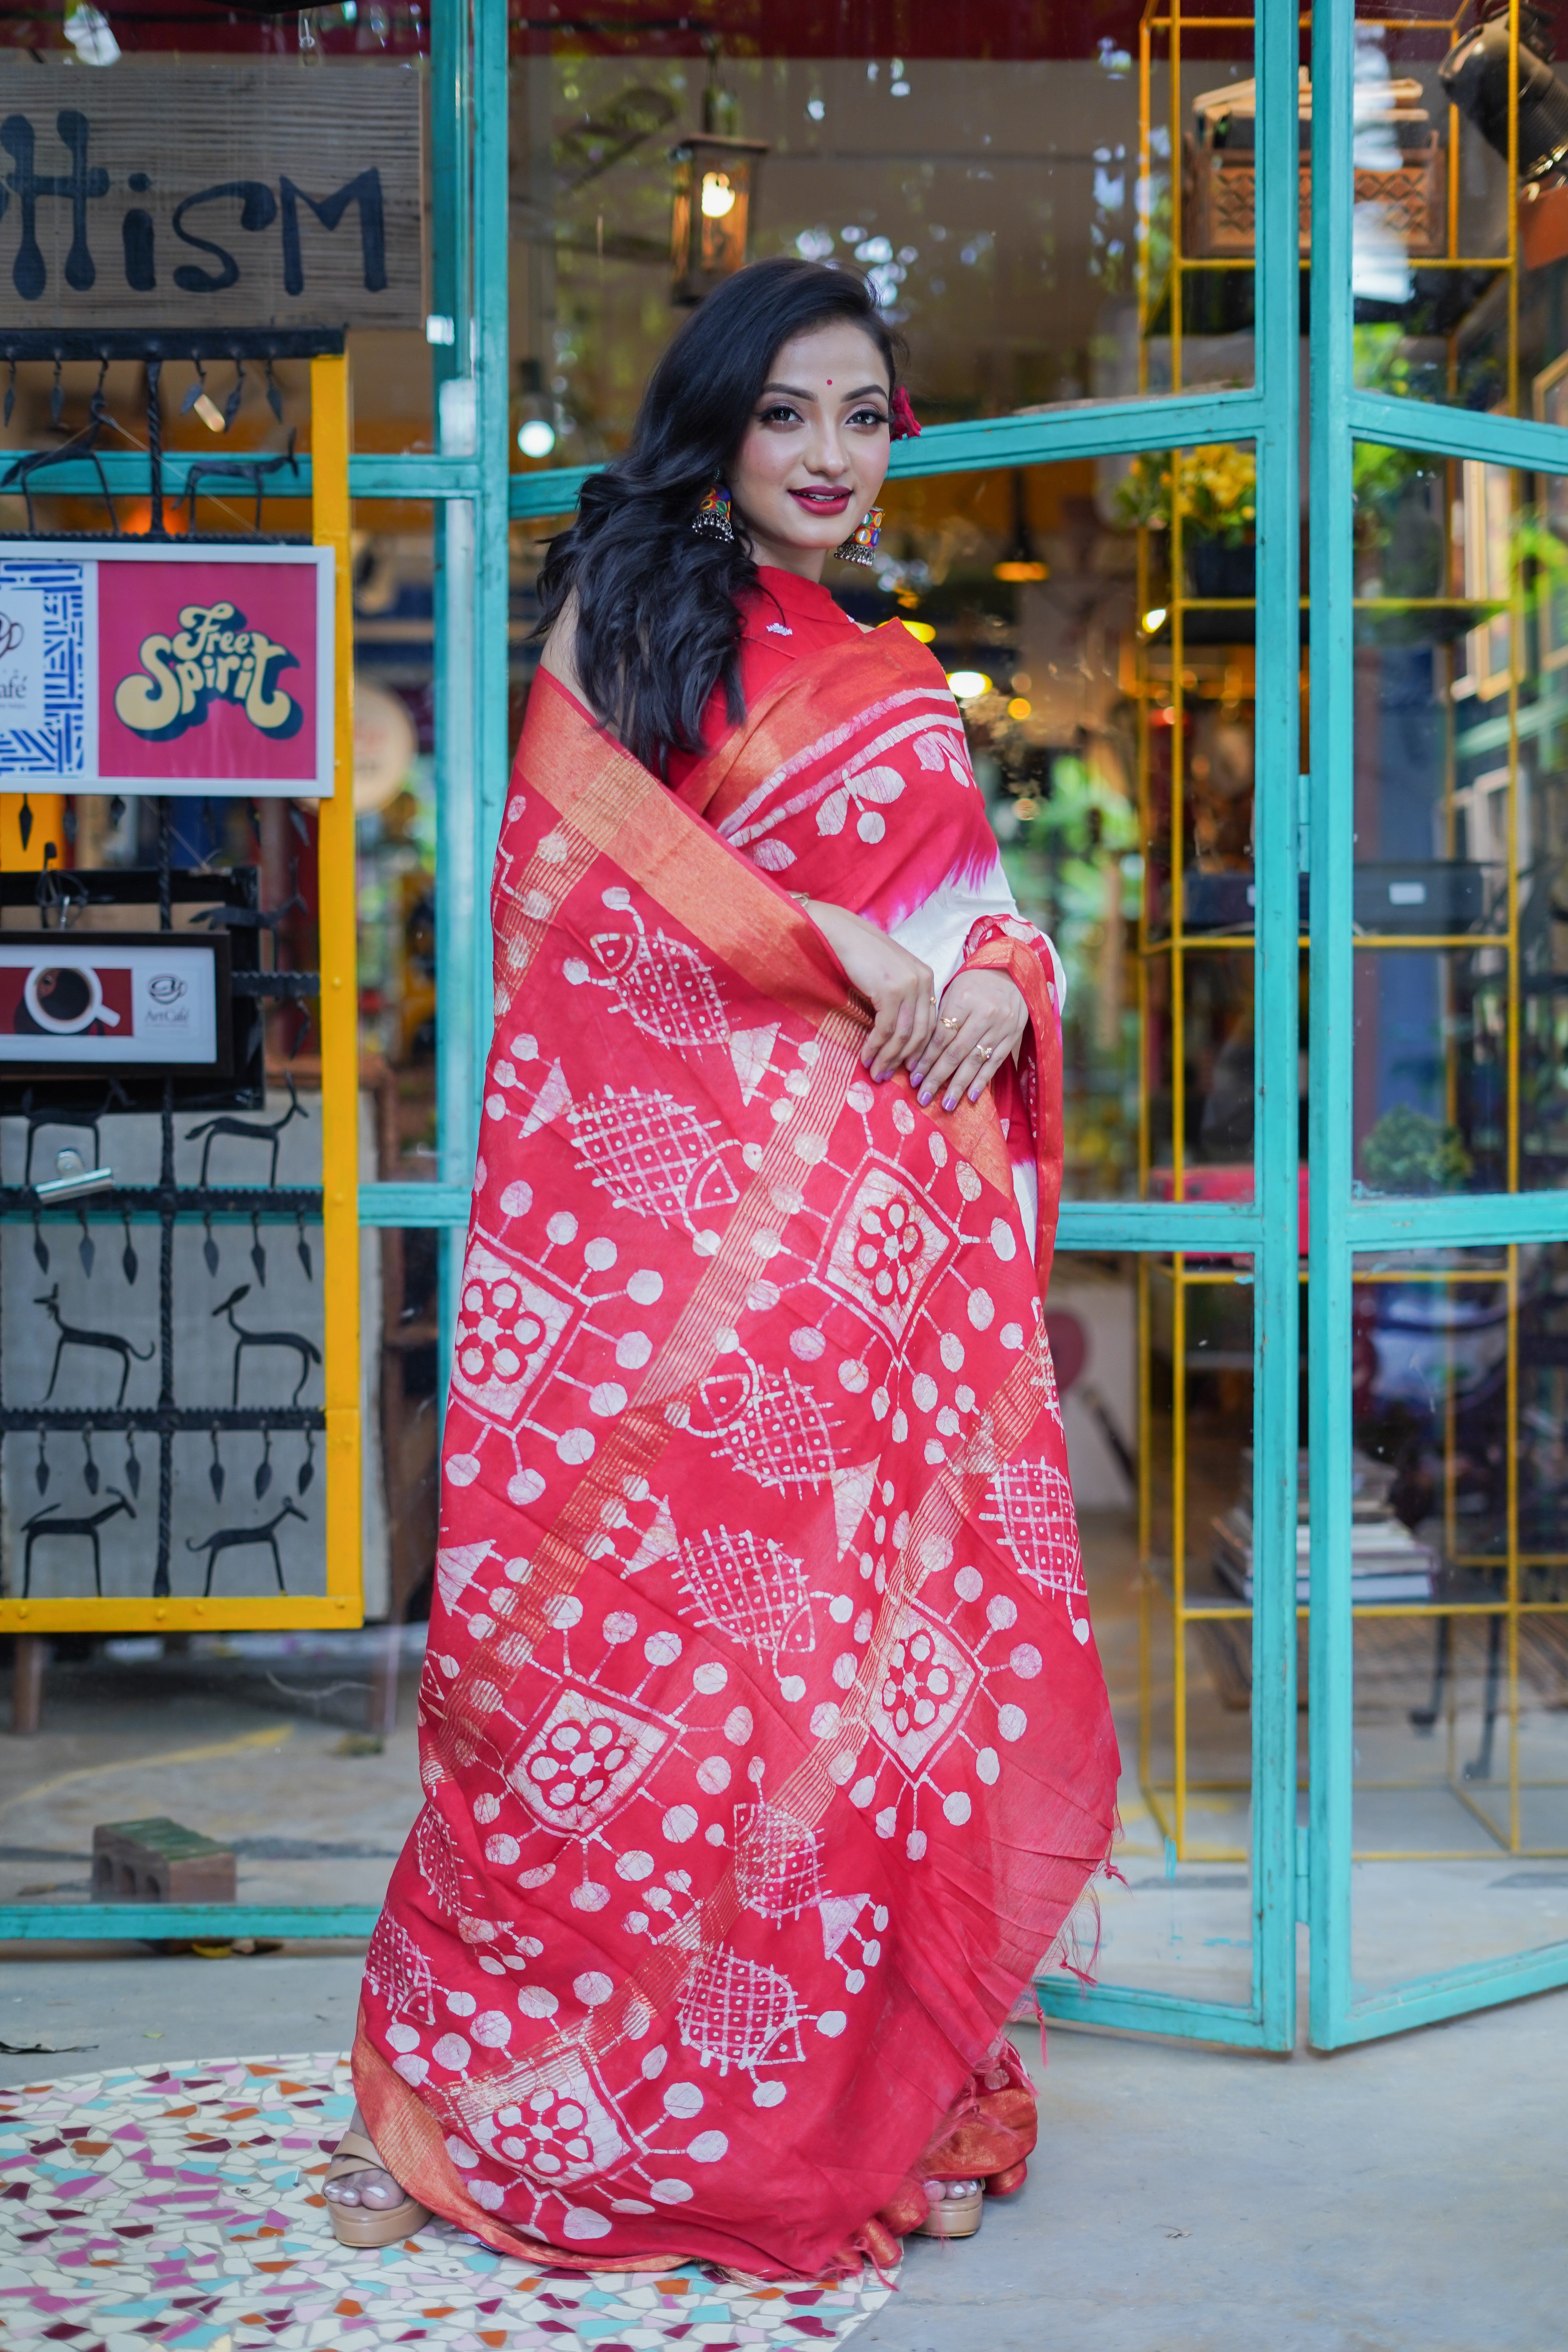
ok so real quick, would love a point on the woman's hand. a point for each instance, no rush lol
(981, 1020)
(899, 988)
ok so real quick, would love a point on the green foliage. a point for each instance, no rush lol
(1215, 487)
(1408, 1152)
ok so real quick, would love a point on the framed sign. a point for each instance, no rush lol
(208, 192)
(131, 667)
(81, 1000)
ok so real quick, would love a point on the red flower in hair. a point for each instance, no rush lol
(906, 425)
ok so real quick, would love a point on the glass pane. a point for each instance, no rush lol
(1016, 195)
(1460, 1551)
(1460, 220)
(1111, 722)
(1170, 1580)
(394, 802)
(1461, 821)
(1192, 680)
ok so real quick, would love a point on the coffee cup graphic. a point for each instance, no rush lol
(67, 998)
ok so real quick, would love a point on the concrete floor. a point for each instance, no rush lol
(1184, 2200)
(1404, 2195)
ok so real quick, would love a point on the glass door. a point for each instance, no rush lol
(1439, 994)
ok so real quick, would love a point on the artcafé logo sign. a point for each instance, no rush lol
(11, 635)
(213, 654)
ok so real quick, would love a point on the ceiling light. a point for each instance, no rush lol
(966, 684)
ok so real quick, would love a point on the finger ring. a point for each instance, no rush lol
(986, 1053)
(949, 1020)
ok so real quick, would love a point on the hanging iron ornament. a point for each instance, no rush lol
(132, 1466)
(231, 406)
(41, 1247)
(209, 1247)
(89, 1467)
(258, 1253)
(307, 1476)
(41, 1466)
(264, 1467)
(128, 1257)
(215, 1468)
(304, 1246)
(86, 1249)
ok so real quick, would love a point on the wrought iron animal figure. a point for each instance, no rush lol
(254, 473)
(84, 1122)
(256, 918)
(306, 1349)
(83, 444)
(237, 1540)
(249, 1130)
(73, 1335)
(44, 1523)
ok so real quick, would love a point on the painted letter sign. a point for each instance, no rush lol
(155, 668)
(169, 193)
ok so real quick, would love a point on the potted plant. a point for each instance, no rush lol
(1214, 489)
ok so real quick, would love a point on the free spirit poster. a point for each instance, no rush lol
(143, 668)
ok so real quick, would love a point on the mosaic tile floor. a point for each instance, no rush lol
(147, 2206)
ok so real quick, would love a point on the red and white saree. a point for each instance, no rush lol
(764, 1744)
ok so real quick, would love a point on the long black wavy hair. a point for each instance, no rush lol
(657, 619)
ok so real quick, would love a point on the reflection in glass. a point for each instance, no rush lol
(1460, 1403)
(1179, 1921)
(1461, 822)
(1195, 1502)
(1019, 209)
(1460, 218)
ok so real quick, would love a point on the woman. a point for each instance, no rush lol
(763, 1743)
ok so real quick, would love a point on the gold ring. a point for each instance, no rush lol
(951, 1021)
(986, 1052)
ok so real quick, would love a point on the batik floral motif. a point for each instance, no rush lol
(761, 1730)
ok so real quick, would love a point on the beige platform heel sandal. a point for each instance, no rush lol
(367, 2226)
(956, 2208)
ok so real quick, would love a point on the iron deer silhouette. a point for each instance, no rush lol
(306, 1349)
(83, 1123)
(249, 1130)
(237, 1538)
(256, 918)
(44, 1523)
(73, 1336)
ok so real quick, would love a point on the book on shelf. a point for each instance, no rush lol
(1387, 1562)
